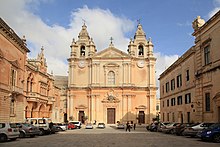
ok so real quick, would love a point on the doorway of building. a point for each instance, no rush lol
(110, 115)
(81, 116)
(65, 117)
(141, 117)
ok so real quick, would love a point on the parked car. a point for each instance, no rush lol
(101, 125)
(62, 126)
(120, 126)
(8, 131)
(26, 129)
(71, 126)
(212, 133)
(179, 128)
(153, 127)
(89, 126)
(160, 126)
(76, 123)
(170, 128)
(194, 129)
(42, 124)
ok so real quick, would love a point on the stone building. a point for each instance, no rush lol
(26, 89)
(39, 88)
(13, 55)
(189, 88)
(61, 82)
(111, 85)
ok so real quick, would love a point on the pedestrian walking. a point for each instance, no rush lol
(128, 127)
(134, 125)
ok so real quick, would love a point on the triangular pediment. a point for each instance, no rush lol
(111, 52)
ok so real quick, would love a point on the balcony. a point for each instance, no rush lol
(36, 97)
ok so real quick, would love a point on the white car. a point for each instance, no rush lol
(101, 125)
(89, 126)
(42, 123)
(76, 123)
(62, 126)
(8, 131)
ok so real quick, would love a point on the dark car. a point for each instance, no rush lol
(27, 129)
(194, 129)
(211, 134)
(179, 128)
(152, 127)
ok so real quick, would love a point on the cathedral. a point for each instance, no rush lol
(110, 85)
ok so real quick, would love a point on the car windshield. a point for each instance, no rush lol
(75, 122)
(214, 126)
(13, 125)
(27, 125)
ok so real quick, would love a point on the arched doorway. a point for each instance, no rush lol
(141, 117)
(42, 110)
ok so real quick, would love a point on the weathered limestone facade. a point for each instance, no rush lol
(61, 82)
(177, 90)
(111, 85)
(194, 96)
(13, 54)
(26, 89)
(39, 88)
(207, 65)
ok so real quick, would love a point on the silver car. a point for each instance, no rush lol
(8, 131)
(26, 129)
(89, 126)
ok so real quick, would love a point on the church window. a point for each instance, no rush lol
(30, 83)
(111, 78)
(140, 50)
(207, 55)
(13, 77)
(82, 51)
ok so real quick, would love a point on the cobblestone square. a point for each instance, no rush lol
(109, 137)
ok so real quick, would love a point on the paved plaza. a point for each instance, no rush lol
(109, 137)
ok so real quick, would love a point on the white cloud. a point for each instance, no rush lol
(216, 8)
(211, 13)
(57, 39)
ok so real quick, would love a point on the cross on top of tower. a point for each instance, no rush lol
(139, 21)
(84, 21)
(111, 39)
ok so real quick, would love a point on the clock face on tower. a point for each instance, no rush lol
(141, 63)
(81, 64)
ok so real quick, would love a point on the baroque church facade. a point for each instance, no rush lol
(111, 85)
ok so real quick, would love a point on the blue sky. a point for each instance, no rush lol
(167, 22)
(54, 23)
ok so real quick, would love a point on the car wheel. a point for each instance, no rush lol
(3, 138)
(172, 131)
(13, 139)
(41, 132)
(32, 136)
(216, 138)
(22, 135)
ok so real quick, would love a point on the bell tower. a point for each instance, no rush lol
(82, 50)
(140, 47)
(84, 47)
